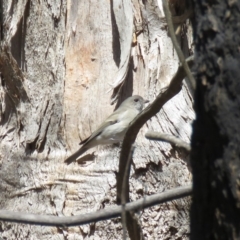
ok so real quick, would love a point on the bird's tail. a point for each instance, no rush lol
(74, 156)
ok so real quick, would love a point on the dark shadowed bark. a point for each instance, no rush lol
(215, 212)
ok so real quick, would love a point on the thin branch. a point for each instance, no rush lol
(129, 219)
(108, 213)
(181, 57)
(151, 110)
(125, 196)
(157, 136)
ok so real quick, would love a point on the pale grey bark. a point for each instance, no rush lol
(100, 215)
(70, 55)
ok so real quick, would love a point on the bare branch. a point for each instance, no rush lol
(175, 43)
(157, 136)
(131, 134)
(129, 220)
(125, 195)
(110, 212)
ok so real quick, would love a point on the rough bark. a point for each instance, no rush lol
(70, 54)
(215, 211)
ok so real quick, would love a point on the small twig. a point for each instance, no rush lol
(129, 219)
(181, 57)
(125, 194)
(108, 213)
(157, 136)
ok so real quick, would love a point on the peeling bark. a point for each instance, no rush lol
(69, 55)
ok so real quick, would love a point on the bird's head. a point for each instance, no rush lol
(136, 102)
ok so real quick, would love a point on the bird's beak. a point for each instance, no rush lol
(146, 101)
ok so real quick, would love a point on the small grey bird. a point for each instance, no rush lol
(113, 129)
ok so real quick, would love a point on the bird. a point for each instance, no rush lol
(113, 129)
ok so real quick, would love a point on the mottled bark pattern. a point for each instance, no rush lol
(70, 55)
(215, 157)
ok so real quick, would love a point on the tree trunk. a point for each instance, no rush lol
(215, 211)
(58, 61)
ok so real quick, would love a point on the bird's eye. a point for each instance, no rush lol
(136, 100)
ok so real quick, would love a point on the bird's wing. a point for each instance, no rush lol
(112, 119)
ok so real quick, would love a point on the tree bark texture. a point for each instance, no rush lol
(215, 211)
(62, 63)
